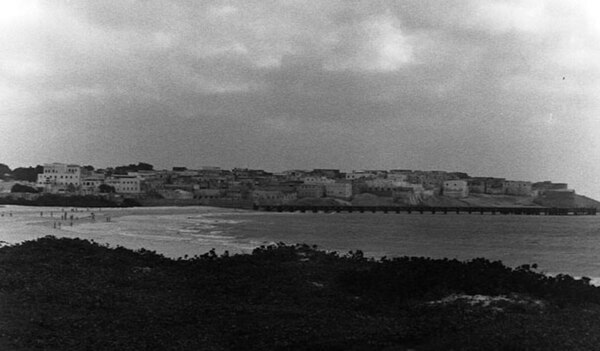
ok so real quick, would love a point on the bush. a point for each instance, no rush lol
(19, 188)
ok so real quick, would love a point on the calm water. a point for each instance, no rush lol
(569, 244)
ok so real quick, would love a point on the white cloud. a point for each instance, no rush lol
(376, 44)
(18, 12)
(505, 16)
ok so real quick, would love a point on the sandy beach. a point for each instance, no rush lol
(162, 229)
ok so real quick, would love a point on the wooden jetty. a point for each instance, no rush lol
(547, 211)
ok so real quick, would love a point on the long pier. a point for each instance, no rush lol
(547, 211)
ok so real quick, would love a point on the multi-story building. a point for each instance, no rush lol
(59, 177)
(311, 190)
(91, 184)
(60, 173)
(124, 184)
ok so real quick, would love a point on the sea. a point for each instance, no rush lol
(557, 244)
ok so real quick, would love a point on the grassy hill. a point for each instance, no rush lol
(71, 294)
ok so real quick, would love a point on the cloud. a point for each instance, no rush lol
(411, 83)
(507, 16)
(375, 44)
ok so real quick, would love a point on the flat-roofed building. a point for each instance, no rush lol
(456, 188)
(91, 185)
(317, 180)
(125, 184)
(342, 190)
(311, 190)
(516, 187)
(60, 174)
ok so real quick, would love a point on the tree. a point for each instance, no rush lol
(134, 168)
(4, 171)
(88, 168)
(145, 166)
(19, 188)
(71, 188)
(105, 188)
(29, 174)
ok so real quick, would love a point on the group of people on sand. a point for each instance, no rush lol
(64, 216)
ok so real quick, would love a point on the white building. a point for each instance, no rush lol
(124, 184)
(91, 185)
(58, 176)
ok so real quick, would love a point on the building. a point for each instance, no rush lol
(91, 185)
(476, 185)
(295, 174)
(272, 197)
(354, 175)
(412, 195)
(329, 173)
(495, 186)
(381, 184)
(342, 190)
(311, 190)
(540, 188)
(456, 188)
(514, 187)
(317, 180)
(399, 177)
(60, 174)
(124, 184)
(209, 193)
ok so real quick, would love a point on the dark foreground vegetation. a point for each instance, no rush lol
(69, 201)
(71, 294)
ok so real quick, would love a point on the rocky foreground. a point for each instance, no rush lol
(71, 294)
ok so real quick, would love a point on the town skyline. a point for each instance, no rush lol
(275, 171)
(309, 169)
(142, 185)
(496, 87)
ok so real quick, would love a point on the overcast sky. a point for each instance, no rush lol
(496, 88)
